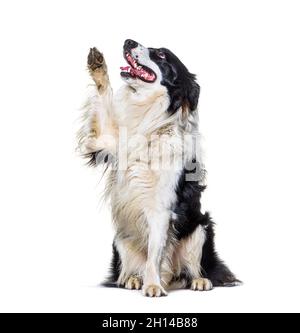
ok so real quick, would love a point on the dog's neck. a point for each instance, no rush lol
(141, 108)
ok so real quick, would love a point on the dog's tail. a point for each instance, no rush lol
(221, 276)
(212, 266)
(109, 284)
(115, 270)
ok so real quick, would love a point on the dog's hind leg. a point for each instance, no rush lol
(187, 261)
(197, 264)
(98, 134)
(127, 265)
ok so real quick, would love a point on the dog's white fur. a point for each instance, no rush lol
(141, 196)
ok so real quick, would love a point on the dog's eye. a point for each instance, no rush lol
(161, 54)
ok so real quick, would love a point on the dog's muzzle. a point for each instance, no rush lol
(135, 70)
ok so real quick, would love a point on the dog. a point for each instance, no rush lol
(162, 239)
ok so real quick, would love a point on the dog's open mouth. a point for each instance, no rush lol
(135, 70)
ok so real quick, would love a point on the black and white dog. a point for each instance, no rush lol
(147, 135)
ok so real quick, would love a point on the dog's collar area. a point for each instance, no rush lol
(136, 70)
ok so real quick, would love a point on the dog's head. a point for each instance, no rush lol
(150, 66)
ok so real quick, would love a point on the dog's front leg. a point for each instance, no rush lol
(158, 224)
(98, 134)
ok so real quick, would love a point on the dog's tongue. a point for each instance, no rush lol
(126, 68)
(139, 71)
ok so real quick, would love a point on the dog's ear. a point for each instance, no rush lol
(186, 96)
(176, 100)
(193, 95)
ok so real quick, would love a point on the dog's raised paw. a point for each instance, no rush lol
(134, 282)
(201, 284)
(95, 59)
(154, 290)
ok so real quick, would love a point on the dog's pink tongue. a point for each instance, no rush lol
(126, 68)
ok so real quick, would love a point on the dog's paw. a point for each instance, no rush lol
(98, 69)
(154, 290)
(95, 59)
(201, 284)
(134, 282)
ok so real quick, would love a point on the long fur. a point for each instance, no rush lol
(162, 239)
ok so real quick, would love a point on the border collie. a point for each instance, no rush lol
(147, 136)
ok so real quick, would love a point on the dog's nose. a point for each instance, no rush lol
(130, 44)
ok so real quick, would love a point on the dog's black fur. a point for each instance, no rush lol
(182, 87)
(188, 218)
(183, 92)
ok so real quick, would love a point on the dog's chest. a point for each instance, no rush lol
(144, 183)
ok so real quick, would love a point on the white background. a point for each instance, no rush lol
(55, 236)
